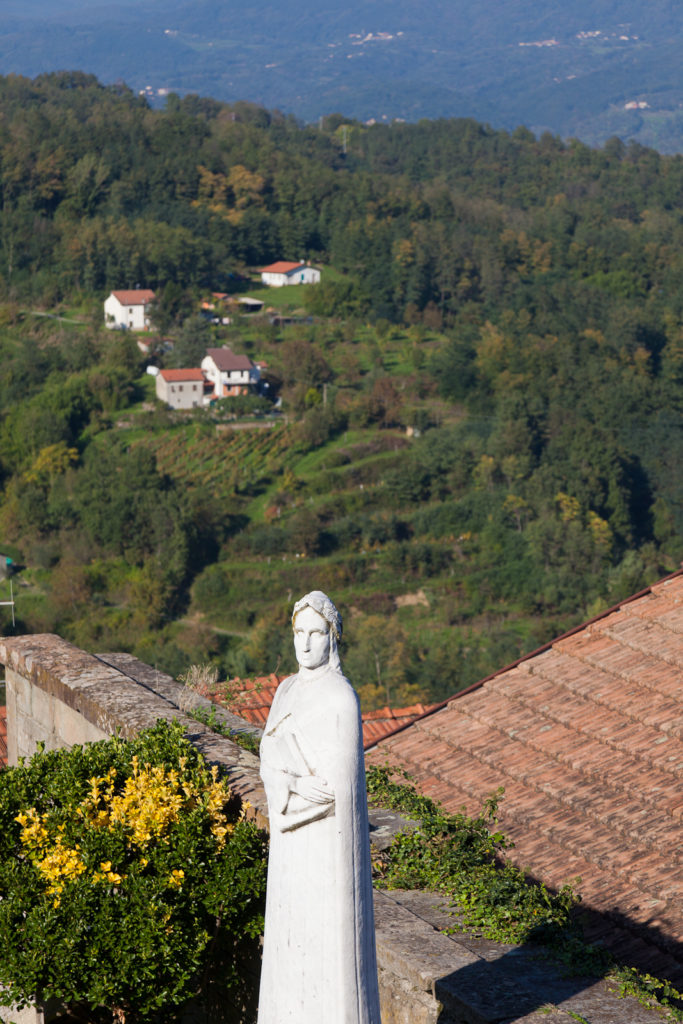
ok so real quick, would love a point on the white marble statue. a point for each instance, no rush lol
(319, 964)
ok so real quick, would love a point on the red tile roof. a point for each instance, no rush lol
(586, 736)
(377, 724)
(135, 296)
(3, 735)
(226, 360)
(281, 267)
(175, 375)
(251, 699)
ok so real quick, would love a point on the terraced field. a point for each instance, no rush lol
(222, 460)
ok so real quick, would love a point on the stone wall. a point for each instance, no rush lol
(60, 695)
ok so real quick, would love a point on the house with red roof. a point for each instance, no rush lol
(181, 389)
(128, 310)
(586, 737)
(229, 374)
(282, 272)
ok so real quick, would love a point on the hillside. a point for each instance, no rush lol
(565, 68)
(481, 426)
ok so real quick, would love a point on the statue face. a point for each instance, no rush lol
(311, 639)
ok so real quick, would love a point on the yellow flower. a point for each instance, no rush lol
(175, 879)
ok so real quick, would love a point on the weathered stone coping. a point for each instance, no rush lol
(426, 977)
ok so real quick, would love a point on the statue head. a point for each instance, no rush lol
(317, 629)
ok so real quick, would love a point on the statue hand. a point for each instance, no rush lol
(313, 788)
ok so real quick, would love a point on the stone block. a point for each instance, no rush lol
(402, 1003)
(72, 728)
(28, 735)
(20, 688)
(411, 948)
(11, 712)
(42, 709)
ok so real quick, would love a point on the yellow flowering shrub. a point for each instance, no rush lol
(124, 867)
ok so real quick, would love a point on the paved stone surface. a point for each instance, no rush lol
(480, 982)
(384, 825)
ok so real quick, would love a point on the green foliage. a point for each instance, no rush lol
(463, 857)
(649, 991)
(127, 873)
(246, 740)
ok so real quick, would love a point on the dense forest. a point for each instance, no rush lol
(481, 436)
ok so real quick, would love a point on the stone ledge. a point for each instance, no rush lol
(475, 981)
(175, 693)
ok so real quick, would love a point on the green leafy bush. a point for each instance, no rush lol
(127, 871)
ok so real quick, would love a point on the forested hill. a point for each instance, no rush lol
(519, 301)
(100, 191)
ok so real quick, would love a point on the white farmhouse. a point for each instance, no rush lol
(229, 373)
(282, 272)
(181, 389)
(128, 309)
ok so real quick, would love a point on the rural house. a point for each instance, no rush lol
(586, 736)
(229, 374)
(278, 274)
(181, 389)
(128, 309)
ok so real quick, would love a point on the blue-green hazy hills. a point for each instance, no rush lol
(570, 68)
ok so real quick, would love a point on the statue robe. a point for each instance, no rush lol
(319, 963)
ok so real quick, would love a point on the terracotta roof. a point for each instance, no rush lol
(251, 699)
(282, 267)
(226, 360)
(175, 375)
(135, 297)
(586, 736)
(377, 724)
(3, 735)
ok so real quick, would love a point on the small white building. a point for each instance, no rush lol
(278, 274)
(128, 309)
(229, 373)
(181, 389)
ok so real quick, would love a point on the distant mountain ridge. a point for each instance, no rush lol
(566, 68)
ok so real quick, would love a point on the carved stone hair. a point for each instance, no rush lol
(321, 604)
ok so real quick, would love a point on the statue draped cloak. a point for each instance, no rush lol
(319, 963)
